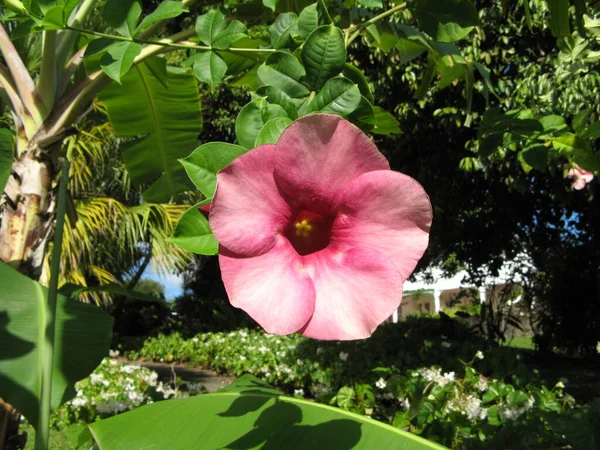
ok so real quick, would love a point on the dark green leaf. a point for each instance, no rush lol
(210, 68)
(282, 30)
(445, 21)
(74, 291)
(579, 121)
(269, 134)
(204, 163)
(234, 32)
(248, 414)
(82, 338)
(339, 96)
(6, 156)
(536, 156)
(553, 124)
(280, 98)
(592, 132)
(252, 118)
(409, 50)
(363, 116)
(193, 233)
(168, 9)
(55, 18)
(354, 74)
(559, 17)
(122, 15)
(119, 58)
(426, 79)
(209, 25)
(308, 21)
(283, 71)
(323, 56)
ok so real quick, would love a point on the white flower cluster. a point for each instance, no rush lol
(343, 355)
(511, 412)
(482, 384)
(381, 384)
(467, 405)
(435, 374)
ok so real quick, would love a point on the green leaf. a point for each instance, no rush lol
(122, 15)
(354, 74)
(269, 134)
(364, 115)
(55, 19)
(243, 61)
(339, 96)
(579, 121)
(553, 124)
(371, 3)
(271, 4)
(536, 156)
(409, 50)
(308, 21)
(578, 150)
(210, 68)
(168, 9)
(323, 56)
(283, 71)
(427, 78)
(6, 156)
(385, 123)
(163, 122)
(445, 21)
(82, 338)
(209, 25)
(252, 118)
(234, 32)
(193, 232)
(278, 97)
(559, 17)
(591, 132)
(204, 163)
(248, 414)
(282, 30)
(119, 58)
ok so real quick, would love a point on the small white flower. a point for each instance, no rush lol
(242, 358)
(343, 356)
(195, 340)
(381, 384)
(263, 349)
(446, 344)
(560, 385)
(113, 353)
(479, 354)
(319, 350)
(299, 392)
(299, 362)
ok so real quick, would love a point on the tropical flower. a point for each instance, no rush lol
(316, 233)
(580, 177)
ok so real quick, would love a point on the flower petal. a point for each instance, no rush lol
(319, 154)
(357, 289)
(385, 211)
(248, 211)
(273, 288)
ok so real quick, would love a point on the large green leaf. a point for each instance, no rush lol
(204, 163)
(163, 122)
(445, 21)
(210, 68)
(559, 17)
(270, 133)
(6, 156)
(248, 415)
(209, 25)
(168, 9)
(122, 15)
(323, 55)
(282, 30)
(82, 337)
(284, 72)
(118, 59)
(339, 96)
(193, 233)
(252, 118)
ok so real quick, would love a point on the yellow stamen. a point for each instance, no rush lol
(303, 228)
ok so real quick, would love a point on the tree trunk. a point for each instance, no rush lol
(26, 215)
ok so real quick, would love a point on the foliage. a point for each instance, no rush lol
(113, 388)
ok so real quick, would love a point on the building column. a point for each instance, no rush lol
(436, 300)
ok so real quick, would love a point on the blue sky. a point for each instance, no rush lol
(171, 282)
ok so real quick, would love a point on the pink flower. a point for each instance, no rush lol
(580, 177)
(317, 233)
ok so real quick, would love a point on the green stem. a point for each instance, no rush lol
(47, 80)
(361, 26)
(186, 45)
(43, 429)
(67, 40)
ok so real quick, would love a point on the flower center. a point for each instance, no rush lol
(309, 232)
